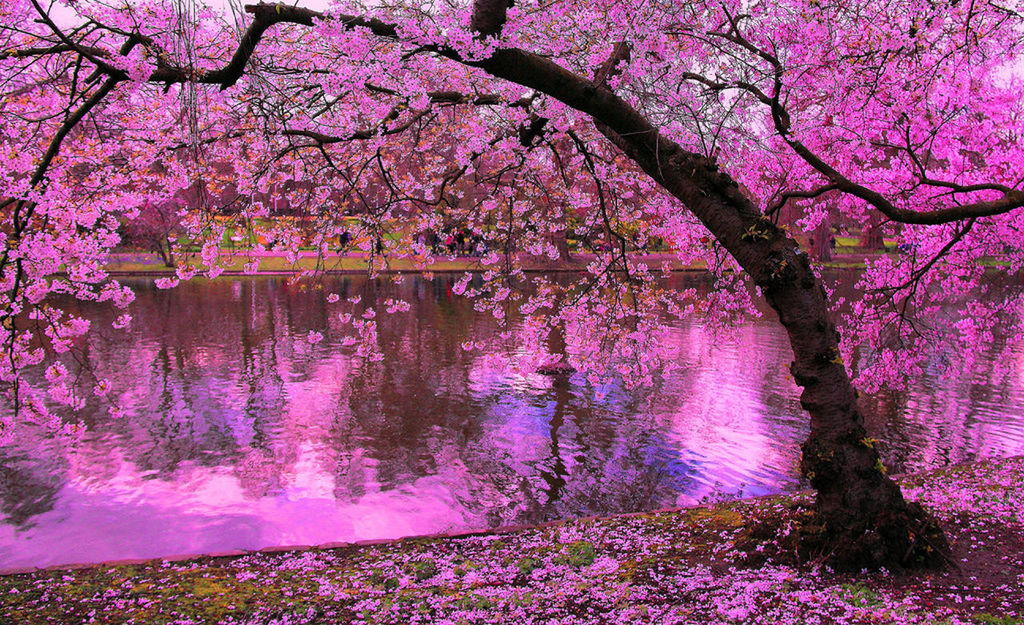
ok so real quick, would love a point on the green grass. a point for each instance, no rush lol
(346, 264)
(278, 264)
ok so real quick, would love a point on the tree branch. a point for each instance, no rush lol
(1011, 199)
(24, 53)
(791, 195)
(88, 53)
(923, 269)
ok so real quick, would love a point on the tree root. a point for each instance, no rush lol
(902, 540)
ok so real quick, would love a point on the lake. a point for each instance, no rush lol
(239, 433)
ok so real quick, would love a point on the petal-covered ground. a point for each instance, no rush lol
(666, 567)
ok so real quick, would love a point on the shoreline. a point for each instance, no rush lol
(348, 545)
(441, 535)
(700, 564)
(272, 264)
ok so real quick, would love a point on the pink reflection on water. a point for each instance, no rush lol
(241, 434)
(723, 419)
(202, 509)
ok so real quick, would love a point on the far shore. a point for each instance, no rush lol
(274, 263)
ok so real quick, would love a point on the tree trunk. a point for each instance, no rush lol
(561, 241)
(862, 519)
(166, 251)
(871, 238)
(822, 247)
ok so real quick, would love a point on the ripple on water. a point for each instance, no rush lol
(240, 434)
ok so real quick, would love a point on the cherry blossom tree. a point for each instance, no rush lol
(154, 230)
(695, 124)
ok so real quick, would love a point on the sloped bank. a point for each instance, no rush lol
(668, 567)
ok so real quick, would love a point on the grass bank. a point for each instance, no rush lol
(681, 566)
(140, 263)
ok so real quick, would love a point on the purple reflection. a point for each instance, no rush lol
(240, 434)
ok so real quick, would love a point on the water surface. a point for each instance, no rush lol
(240, 434)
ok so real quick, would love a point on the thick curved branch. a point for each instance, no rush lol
(264, 16)
(718, 86)
(456, 97)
